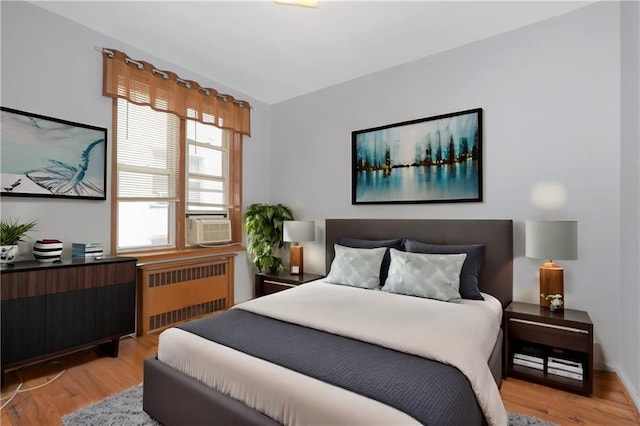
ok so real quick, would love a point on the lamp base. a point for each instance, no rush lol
(551, 282)
(296, 260)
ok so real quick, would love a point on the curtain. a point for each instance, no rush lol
(141, 83)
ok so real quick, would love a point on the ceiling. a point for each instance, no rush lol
(276, 52)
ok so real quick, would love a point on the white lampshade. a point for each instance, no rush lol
(297, 230)
(551, 240)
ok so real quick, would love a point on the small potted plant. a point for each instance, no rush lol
(263, 223)
(11, 233)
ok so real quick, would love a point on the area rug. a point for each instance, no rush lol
(125, 409)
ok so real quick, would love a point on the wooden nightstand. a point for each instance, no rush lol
(272, 283)
(547, 347)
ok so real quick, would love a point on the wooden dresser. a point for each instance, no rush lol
(52, 308)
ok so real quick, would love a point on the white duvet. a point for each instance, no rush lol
(461, 335)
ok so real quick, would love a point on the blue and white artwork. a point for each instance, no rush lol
(47, 157)
(436, 159)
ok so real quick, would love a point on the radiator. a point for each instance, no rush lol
(177, 291)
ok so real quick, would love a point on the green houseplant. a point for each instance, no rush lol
(11, 233)
(263, 224)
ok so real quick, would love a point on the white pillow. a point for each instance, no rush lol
(433, 276)
(356, 267)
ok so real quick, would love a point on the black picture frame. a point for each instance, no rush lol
(429, 160)
(49, 157)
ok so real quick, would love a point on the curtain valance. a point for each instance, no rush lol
(143, 84)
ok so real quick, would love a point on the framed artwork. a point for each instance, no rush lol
(430, 160)
(48, 157)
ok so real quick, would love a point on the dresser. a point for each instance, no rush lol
(49, 309)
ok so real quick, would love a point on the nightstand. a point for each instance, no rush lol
(550, 348)
(272, 283)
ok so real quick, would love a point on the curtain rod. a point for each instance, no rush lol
(164, 75)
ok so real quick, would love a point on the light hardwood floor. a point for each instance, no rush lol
(89, 377)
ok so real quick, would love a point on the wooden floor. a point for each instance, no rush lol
(89, 377)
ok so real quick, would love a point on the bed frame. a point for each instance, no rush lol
(174, 398)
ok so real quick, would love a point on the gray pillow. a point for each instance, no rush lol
(396, 243)
(356, 267)
(469, 288)
(433, 276)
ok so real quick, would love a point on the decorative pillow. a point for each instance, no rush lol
(470, 270)
(384, 268)
(434, 276)
(356, 267)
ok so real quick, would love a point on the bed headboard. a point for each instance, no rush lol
(496, 274)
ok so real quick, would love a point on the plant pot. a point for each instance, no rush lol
(47, 251)
(8, 254)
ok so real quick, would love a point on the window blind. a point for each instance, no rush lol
(147, 155)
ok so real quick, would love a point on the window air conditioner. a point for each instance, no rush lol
(208, 230)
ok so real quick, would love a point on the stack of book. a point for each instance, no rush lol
(526, 360)
(565, 368)
(86, 250)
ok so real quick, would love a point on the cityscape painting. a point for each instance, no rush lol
(48, 157)
(430, 160)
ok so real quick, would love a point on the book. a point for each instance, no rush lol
(95, 254)
(525, 363)
(531, 358)
(564, 373)
(566, 365)
(86, 249)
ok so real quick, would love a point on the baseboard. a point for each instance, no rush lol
(631, 393)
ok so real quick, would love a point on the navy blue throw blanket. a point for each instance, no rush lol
(431, 392)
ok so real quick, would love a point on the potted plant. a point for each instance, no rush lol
(263, 224)
(11, 233)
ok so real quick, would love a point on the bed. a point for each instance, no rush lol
(333, 351)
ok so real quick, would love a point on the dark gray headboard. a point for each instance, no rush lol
(496, 275)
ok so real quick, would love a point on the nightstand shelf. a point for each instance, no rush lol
(557, 347)
(273, 283)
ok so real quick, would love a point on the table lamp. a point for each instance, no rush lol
(296, 231)
(551, 240)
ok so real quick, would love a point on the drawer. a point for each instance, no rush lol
(269, 287)
(549, 334)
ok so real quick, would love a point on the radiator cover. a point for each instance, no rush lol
(180, 290)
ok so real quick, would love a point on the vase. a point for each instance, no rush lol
(47, 251)
(554, 308)
(8, 253)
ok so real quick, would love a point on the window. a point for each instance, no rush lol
(207, 169)
(177, 151)
(153, 150)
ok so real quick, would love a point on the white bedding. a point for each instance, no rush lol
(464, 335)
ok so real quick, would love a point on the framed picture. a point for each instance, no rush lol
(48, 157)
(430, 160)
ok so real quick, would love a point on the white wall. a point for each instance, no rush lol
(551, 99)
(50, 67)
(630, 202)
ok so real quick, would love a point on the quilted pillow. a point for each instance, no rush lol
(356, 267)
(434, 276)
(470, 270)
(384, 267)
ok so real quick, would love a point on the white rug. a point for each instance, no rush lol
(125, 409)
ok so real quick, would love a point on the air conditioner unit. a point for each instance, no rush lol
(208, 230)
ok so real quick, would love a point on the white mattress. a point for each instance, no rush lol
(395, 321)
